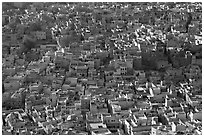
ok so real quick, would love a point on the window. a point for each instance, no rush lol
(100, 126)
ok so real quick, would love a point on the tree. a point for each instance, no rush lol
(12, 25)
(64, 41)
(28, 44)
(36, 26)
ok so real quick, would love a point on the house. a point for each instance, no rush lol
(72, 81)
(12, 85)
(9, 71)
(196, 61)
(141, 120)
(15, 101)
(122, 70)
(197, 115)
(98, 129)
(5, 19)
(85, 104)
(197, 16)
(82, 71)
(36, 87)
(67, 125)
(40, 35)
(115, 108)
(94, 118)
(112, 122)
(68, 55)
(92, 74)
(137, 62)
(127, 127)
(90, 64)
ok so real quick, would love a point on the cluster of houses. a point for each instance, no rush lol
(136, 86)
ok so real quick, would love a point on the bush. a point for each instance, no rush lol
(28, 44)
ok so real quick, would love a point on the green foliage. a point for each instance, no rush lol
(36, 26)
(12, 25)
(64, 41)
(28, 44)
(6, 6)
